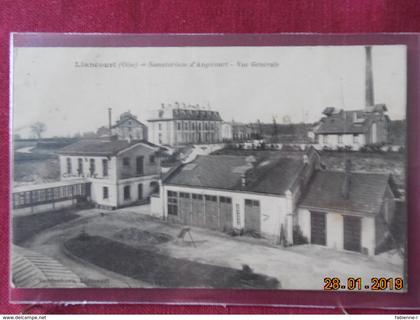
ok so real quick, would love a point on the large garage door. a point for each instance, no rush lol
(252, 216)
(185, 208)
(352, 233)
(212, 212)
(197, 216)
(226, 216)
(318, 228)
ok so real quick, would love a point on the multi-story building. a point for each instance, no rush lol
(120, 172)
(129, 127)
(354, 128)
(176, 125)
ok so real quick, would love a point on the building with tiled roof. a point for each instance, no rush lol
(279, 195)
(129, 127)
(348, 210)
(34, 270)
(355, 128)
(251, 193)
(120, 172)
(180, 124)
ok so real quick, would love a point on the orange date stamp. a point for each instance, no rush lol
(357, 284)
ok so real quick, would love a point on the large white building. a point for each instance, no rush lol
(177, 125)
(120, 172)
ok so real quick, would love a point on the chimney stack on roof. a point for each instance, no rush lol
(347, 180)
(369, 98)
(243, 180)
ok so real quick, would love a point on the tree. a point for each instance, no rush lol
(38, 128)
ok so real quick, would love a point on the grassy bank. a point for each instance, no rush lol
(162, 270)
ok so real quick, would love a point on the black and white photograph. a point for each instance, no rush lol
(217, 167)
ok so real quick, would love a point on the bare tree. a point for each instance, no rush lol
(38, 128)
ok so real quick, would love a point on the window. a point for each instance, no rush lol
(68, 165)
(80, 166)
(160, 126)
(225, 200)
(197, 196)
(127, 193)
(152, 158)
(172, 203)
(126, 162)
(184, 195)
(105, 193)
(139, 191)
(356, 138)
(92, 167)
(105, 168)
(139, 165)
(340, 139)
(210, 198)
(238, 214)
(179, 125)
(325, 139)
(252, 203)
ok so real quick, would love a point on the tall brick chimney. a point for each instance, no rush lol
(369, 93)
(345, 189)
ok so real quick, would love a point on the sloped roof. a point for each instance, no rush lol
(131, 117)
(33, 270)
(99, 147)
(366, 195)
(271, 176)
(191, 114)
(343, 121)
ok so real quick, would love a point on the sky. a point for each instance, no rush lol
(65, 89)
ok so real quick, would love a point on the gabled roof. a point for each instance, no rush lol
(100, 147)
(354, 121)
(132, 118)
(366, 193)
(273, 175)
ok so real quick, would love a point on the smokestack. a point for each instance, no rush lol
(110, 121)
(347, 180)
(369, 98)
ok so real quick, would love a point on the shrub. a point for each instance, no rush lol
(298, 237)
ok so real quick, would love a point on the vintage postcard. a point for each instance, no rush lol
(254, 167)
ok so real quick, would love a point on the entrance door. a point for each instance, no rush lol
(352, 233)
(139, 191)
(318, 228)
(226, 216)
(252, 216)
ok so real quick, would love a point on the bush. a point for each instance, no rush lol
(298, 237)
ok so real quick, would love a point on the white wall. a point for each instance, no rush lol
(112, 175)
(273, 208)
(133, 183)
(368, 234)
(332, 141)
(335, 230)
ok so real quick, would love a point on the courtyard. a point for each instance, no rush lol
(109, 233)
